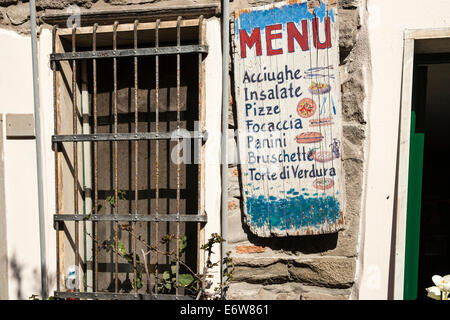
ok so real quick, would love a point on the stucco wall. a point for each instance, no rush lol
(387, 21)
(21, 200)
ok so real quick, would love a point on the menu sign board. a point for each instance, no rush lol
(289, 118)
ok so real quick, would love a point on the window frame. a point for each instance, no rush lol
(59, 218)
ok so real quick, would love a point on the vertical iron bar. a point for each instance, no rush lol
(136, 152)
(116, 200)
(224, 149)
(39, 160)
(56, 146)
(157, 151)
(95, 226)
(178, 162)
(75, 146)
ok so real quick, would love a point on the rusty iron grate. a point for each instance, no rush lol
(75, 139)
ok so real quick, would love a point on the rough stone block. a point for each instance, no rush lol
(352, 100)
(349, 23)
(353, 176)
(233, 183)
(348, 4)
(351, 151)
(353, 142)
(18, 14)
(275, 273)
(236, 233)
(322, 296)
(63, 4)
(250, 291)
(122, 2)
(284, 291)
(354, 134)
(5, 3)
(326, 272)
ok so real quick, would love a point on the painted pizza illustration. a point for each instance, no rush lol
(306, 108)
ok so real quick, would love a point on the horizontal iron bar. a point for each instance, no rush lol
(120, 53)
(118, 296)
(131, 217)
(131, 136)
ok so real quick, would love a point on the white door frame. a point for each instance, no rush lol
(405, 129)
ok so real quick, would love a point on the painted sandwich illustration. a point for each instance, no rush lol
(319, 88)
(309, 137)
(323, 156)
(320, 122)
(323, 183)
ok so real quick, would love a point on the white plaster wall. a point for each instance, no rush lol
(387, 21)
(16, 96)
(213, 116)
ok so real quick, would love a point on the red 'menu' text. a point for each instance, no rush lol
(293, 34)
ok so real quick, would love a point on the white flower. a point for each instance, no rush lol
(434, 293)
(443, 283)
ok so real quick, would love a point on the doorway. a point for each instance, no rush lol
(427, 249)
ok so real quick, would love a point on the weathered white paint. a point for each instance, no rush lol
(16, 94)
(289, 112)
(387, 21)
(213, 116)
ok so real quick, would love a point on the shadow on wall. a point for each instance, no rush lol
(17, 273)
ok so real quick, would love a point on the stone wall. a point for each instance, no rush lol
(309, 267)
(14, 14)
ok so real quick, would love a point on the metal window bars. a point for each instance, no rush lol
(60, 218)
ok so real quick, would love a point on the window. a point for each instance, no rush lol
(129, 218)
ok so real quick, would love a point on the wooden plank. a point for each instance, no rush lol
(162, 12)
(435, 33)
(59, 197)
(289, 118)
(129, 27)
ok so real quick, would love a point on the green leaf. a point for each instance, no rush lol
(173, 269)
(185, 279)
(167, 238)
(121, 194)
(139, 280)
(121, 249)
(166, 275)
(183, 243)
(128, 257)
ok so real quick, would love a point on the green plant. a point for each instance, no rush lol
(169, 277)
(195, 283)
